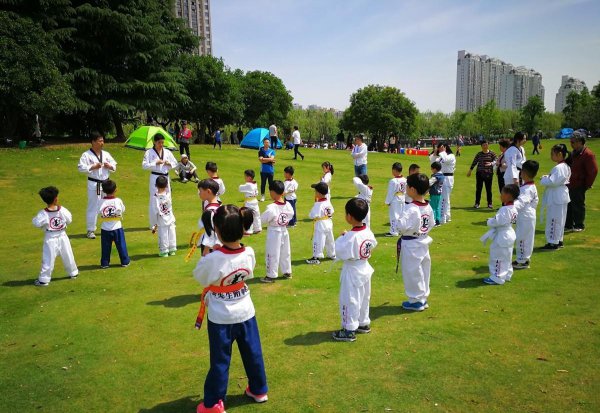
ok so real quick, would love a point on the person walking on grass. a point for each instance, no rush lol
(297, 143)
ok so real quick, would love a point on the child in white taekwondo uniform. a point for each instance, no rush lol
(207, 190)
(111, 212)
(291, 186)
(556, 197)
(231, 314)
(250, 191)
(448, 161)
(163, 219)
(327, 177)
(365, 191)
(54, 220)
(413, 246)
(276, 217)
(396, 195)
(354, 247)
(97, 164)
(321, 214)
(503, 237)
(212, 170)
(526, 206)
(159, 161)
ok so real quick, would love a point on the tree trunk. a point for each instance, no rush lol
(118, 127)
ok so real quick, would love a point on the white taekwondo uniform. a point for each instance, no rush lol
(250, 191)
(321, 214)
(161, 215)
(95, 179)
(395, 198)
(555, 200)
(277, 216)
(503, 239)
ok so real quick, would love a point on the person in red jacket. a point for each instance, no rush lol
(583, 173)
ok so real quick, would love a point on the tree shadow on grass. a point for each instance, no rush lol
(29, 282)
(385, 310)
(189, 404)
(177, 301)
(480, 223)
(309, 339)
(142, 256)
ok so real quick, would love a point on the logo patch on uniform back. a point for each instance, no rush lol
(365, 249)
(56, 223)
(109, 211)
(164, 208)
(236, 276)
(282, 220)
(425, 220)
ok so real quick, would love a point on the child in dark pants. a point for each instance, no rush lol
(291, 186)
(231, 315)
(111, 213)
(435, 191)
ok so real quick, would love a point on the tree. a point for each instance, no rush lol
(531, 114)
(266, 100)
(550, 123)
(488, 117)
(31, 82)
(214, 92)
(380, 110)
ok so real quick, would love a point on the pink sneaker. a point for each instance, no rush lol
(217, 408)
(258, 398)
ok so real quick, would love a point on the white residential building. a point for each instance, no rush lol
(480, 79)
(196, 14)
(568, 84)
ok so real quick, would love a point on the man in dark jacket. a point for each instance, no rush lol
(583, 173)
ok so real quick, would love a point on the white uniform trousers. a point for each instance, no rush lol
(446, 192)
(416, 270)
(256, 223)
(57, 246)
(501, 269)
(92, 205)
(395, 210)
(556, 215)
(525, 233)
(323, 239)
(355, 295)
(167, 238)
(277, 253)
(152, 190)
(367, 220)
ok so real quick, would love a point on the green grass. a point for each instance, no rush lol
(122, 340)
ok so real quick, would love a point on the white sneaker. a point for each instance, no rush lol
(262, 198)
(91, 235)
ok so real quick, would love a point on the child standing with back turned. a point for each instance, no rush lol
(54, 220)
(395, 198)
(111, 212)
(526, 206)
(162, 219)
(354, 247)
(250, 191)
(231, 314)
(556, 197)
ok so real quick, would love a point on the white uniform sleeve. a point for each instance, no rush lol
(360, 187)
(169, 158)
(67, 214)
(409, 219)
(204, 272)
(391, 192)
(122, 207)
(267, 216)
(558, 177)
(153, 211)
(315, 211)
(501, 219)
(84, 166)
(222, 187)
(40, 220)
(346, 248)
(147, 162)
(511, 162)
(111, 161)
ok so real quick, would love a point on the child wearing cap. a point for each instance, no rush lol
(186, 170)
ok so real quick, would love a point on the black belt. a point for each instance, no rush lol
(449, 174)
(518, 169)
(98, 181)
(408, 238)
(159, 173)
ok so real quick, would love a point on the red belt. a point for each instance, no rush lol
(215, 289)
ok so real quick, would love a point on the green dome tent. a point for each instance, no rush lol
(142, 138)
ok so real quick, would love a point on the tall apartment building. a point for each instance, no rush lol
(568, 84)
(480, 79)
(196, 13)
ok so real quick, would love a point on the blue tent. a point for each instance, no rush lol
(565, 133)
(254, 138)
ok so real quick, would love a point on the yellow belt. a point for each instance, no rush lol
(250, 198)
(399, 193)
(110, 218)
(321, 218)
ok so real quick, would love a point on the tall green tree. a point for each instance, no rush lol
(488, 117)
(531, 114)
(266, 100)
(380, 110)
(214, 92)
(30, 79)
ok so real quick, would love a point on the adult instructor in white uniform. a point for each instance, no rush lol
(159, 161)
(97, 164)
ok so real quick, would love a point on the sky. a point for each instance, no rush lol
(325, 50)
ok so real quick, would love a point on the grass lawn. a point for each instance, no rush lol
(123, 339)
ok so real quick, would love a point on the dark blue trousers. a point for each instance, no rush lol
(221, 338)
(107, 238)
(293, 204)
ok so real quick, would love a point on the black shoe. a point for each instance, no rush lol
(560, 244)
(550, 247)
(344, 335)
(363, 329)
